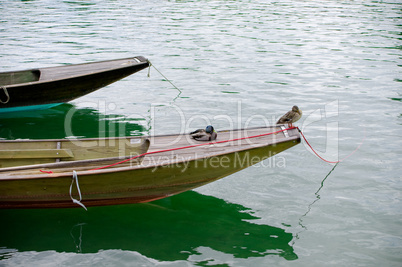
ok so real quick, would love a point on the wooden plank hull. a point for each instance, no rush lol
(66, 83)
(158, 176)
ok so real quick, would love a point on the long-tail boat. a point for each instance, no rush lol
(46, 87)
(172, 164)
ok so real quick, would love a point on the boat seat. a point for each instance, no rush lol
(36, 153)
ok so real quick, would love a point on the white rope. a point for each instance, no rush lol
(75, 178)
(149, 70)
(7, 95)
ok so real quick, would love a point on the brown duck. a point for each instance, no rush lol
(290, 117)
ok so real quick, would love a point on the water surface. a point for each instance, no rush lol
(237, 64)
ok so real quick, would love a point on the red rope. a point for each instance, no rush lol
(46, 171)
(328, 160)
(191, 146)
(314, 150)
(211, 143)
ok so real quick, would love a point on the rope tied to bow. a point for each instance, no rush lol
(76, 201)
(7, 95)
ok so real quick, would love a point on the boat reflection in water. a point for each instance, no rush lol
(170, 229)
(64, 120)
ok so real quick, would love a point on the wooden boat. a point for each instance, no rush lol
(55, 85)
(173, 164)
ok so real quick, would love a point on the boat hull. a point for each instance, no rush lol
(28, 108)
(130, 185)
(66, 83)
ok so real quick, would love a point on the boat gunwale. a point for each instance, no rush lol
(64, 174)
(73, 139)
(128, 137)
(10, 86)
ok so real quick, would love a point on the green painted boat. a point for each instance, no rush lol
(55, 85)
(173, 164)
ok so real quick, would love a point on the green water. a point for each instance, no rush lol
(237, 64)
(166, 230)
(50, 123)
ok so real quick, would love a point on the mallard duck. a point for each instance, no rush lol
(291, 117)
(208, 134)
